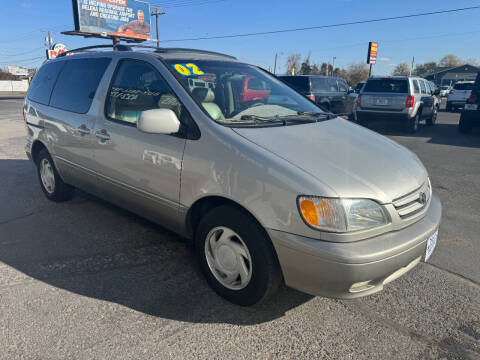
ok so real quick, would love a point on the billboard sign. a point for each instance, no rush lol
(18, 70)
(56, 50)
(121, 18)
(372, 53)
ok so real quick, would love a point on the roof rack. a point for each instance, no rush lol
(117, 47)
(120, 47)
(167, 50)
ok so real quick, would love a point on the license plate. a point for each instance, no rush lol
(431, 243)
(382, 102)
(473, 107)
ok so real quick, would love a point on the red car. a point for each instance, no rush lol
(254, 89)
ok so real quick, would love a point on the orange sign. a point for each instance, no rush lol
(372, 52)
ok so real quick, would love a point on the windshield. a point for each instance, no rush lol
(231, 92)
(386, 86)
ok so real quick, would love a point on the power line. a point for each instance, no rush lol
(183, 3)
(327, 26)
(23, 53)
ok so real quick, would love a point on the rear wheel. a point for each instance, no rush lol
(433, 119)
(464, 126)
(413, 124)
(52, 184)
(236, 256)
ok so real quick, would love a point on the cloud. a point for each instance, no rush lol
(385, 59)
(26, 5)
(392, 64)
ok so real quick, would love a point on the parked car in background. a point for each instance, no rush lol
(331, 93)
(359, 87)
(470, 117)
(267, 192)
(457, 97)
(444, 90)
(407, 100)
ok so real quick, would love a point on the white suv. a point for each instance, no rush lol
(459, 94)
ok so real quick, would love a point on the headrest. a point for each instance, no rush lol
(204, 95)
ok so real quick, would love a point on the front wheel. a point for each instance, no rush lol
(236, 256)
(433, 119)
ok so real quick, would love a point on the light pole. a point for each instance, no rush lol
(333, 64)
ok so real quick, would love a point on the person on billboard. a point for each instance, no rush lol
(134, 27)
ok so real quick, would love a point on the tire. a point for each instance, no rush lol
(433, 119)
(464, 126)
(50, 181)
(413, 124)
(353, 117)
(221, 239)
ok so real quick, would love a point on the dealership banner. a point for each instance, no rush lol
(122, 18)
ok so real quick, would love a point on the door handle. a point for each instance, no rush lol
(82, 129)
(102, 135)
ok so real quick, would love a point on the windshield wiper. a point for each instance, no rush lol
(264, 119)
(325, 115)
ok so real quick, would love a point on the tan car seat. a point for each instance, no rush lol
(207, 98)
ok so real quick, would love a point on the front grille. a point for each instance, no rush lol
(414, 202)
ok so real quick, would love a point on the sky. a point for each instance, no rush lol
(22, 41)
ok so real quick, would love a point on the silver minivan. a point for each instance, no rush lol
(268, 187)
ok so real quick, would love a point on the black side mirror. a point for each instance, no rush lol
(350, 90)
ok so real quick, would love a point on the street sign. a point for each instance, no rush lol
(113, 18)
(56, 50)
(18, 70)
(372, 53)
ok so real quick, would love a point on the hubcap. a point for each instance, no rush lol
(228, 258)
(47, 176)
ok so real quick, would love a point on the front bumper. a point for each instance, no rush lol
(330, 269)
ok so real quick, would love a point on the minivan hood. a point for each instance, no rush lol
(353, 161)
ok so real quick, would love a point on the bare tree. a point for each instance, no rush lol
(450, 60)
(401, 70)
(356, 73)
(293, 62)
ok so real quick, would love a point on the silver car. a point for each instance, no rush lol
(268, 188)
(401, 99)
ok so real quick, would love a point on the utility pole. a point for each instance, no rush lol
(333, 65)
(49, 39)
(158, 11)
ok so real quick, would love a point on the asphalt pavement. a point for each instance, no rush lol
(85, 279)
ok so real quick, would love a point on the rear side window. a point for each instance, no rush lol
(324, 85)
(299, 83)
(386, 86)
(41, 87)
(342, 85)
(77, 84)
(464, 86)
(422, 86)
(256, 84)
(416, 87)
(138, 87)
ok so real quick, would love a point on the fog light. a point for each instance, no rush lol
(361, 286)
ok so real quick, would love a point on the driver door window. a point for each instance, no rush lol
(137, 87)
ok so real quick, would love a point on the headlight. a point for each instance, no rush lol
(341, 215)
